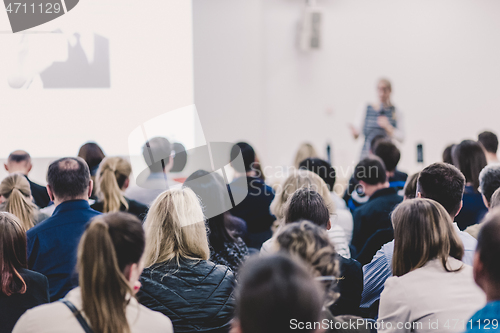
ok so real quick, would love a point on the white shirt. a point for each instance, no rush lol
(57, 317)
(343, 216)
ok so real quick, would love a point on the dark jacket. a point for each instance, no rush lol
(374, 215)
(134, 207)
(53, 244)
(350, 287)
(39, 194)
(13, 307)
(197, 296)
(473, 209)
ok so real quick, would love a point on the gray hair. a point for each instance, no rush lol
(489, 180)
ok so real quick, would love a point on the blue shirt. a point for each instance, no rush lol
(53, 244)
(485, 320)
(380, 268)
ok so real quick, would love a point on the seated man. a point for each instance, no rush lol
(390, 155)
(19, 161)
(254, 209)
(490, 143)
(487, 274)
(375, 214)
(52, 244)
(443, 183)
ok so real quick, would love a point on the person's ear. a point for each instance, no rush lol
(50, 193)
(236, 326)
(2, 199)
(126, 184)
(419, 195)
(6, 167)
(91, 187)
(486, 203)
(460, 208)
(478, 270)
(29, 167)
(329, 225)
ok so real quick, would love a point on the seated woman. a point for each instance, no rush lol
(179, 280)
(311, 243)
(15, 198)
(305, 178)
(432, 290)
(112, 179)
(109, 266)
(20, 288)
(225, 249)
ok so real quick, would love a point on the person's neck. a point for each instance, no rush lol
(58, 201)
(492, 293)
(18, 170)
(491, 157)
(374, 188)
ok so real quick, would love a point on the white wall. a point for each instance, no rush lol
(442, 57)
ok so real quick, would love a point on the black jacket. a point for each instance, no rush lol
(197, 296)
(134, 207)
(12, 307)
(39, 194)
(350, 287)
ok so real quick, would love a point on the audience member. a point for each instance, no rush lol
(375, 214)
(390, 155)
(19, 161)
(431, 288)
(306, 150)
(495, 199)
(410, 189)
(254, 208)
(489, 182)
(487, 274)
(225, 249)
(20, 288)
(274, 293)
(52, 244)
(308, 205)
(447, 157)
(179, 280)
(469, 157)
(490, 144)
(112, 178)
(158, 155)
(93, 155)
(109, 263)
(306, 179)
(327, 173)
(15, 198)
(443, 183)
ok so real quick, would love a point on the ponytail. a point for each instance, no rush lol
(104, 288)
(16, 189)
(112, 174)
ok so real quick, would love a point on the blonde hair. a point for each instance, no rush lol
(175, 228)
(306, 150)
(423, 231)
(386, 83)
(112, 174)
(299, 179)
(16, 190)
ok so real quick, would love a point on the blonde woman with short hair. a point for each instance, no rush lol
(431, 286)
(179, 278)
(15, 198)
(112, 179)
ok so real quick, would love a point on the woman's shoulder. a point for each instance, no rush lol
(187, 268)
(150, 321)
(32, 275)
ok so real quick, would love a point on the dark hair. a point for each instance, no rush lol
(488, 245)
(443, 183)
(273, 291)
(322, 168)
(306, 204)
(410, 190)
(375, 141)
(247, 153)
(489, 180)
(180, 159)
(19, 156)
(66, 181)
(389, 153)
(469, 157)
(210, 187)
(13, 255)
(92, 154)
(156, 153)
(371, 170)
(489, 141)
(447, 154)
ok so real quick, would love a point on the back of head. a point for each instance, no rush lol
(489, 141)
(388, 153)
(13, 255)
(489, 180)
(307, 204)
(495, 199)
(111, 177)
(371, 170)
(488, 246)
(376, 140)
(19, 161)
(273, 291)
(443, 183)
(69, 178)
(322, 168)
(298, 179)
(247, 153)
(447, 156)
(156, 153)
(111, 243)
(175, 228)
(410, 189)
(92, 154)
(306, 150)
(15, 188)
(423, 231)
(469, 157)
